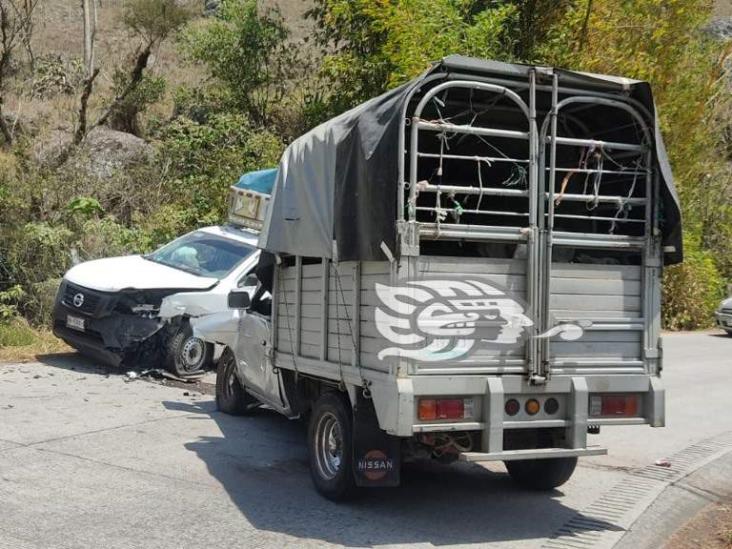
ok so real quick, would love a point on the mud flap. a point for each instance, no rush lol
(376, 455)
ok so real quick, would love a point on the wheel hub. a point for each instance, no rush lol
(328, 446)
(192, 353)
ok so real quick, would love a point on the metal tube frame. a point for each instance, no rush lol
(531, 233)
(540, 231)
(647, 244)
(417, 123)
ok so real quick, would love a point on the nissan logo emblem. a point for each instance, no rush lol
(78, 300)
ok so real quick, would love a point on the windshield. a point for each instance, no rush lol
(202, 254)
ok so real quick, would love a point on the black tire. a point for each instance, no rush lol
(231, 397)
(729, 333)
(331, 460)
(541, 474)
(187, 355)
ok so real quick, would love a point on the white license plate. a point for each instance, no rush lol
(75, 322)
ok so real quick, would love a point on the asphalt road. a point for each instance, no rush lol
(89, 460)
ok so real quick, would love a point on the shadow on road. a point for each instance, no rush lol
(77, 362)
(261, 461)
(82, 364)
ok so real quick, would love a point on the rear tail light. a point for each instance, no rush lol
(551, 406)
(614, 405)
(512, 407)
(532, 407)
(445, 408)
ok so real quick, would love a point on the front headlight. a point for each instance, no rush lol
(145, 303)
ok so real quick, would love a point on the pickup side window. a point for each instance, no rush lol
(261, 298)
(248, 280)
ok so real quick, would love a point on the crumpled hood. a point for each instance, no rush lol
(133, 272)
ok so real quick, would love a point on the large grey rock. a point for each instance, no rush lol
(49, 149)
(720, 28)
(105, 152)
(211, 7)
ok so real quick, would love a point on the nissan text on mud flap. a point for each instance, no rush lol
(137, 310)
(465, 268)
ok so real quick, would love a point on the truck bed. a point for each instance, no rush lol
(606, 298)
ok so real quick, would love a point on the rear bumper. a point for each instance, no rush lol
(489, 394)
(541, 453)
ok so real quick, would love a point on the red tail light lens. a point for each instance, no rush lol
(512, 407)
(450, 409)
(614, 405)
(441, 408)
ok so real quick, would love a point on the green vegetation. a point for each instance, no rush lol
(246, 49)
(232, 89)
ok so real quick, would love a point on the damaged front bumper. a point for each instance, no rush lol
(97, 326)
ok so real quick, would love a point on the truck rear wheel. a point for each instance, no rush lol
(330, 447)
(231, 397)
(541, 474)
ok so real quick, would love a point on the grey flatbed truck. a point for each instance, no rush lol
(467, 267)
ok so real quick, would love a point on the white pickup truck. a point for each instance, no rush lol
(465, 268)
(136, 310)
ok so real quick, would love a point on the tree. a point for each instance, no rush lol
(246, 49)
(370, 45)
(89, 11)
(16, 25)
(24, 10)
(152, 22)
(534, 21)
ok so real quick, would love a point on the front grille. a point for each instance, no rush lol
(87, 303)
(726, 311)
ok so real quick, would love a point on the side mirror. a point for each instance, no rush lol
(239, 300)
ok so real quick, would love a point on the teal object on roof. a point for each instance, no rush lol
(261, 181)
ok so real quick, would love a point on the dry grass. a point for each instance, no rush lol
(723, 8)
(294, 11)
(59, 31)
(711, 528)
(40, 342)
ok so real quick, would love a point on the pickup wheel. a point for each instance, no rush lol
(541, 474)
(186, 354)
(231, 397)
(330, 447)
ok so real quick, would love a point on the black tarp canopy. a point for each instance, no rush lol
(336, 187)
